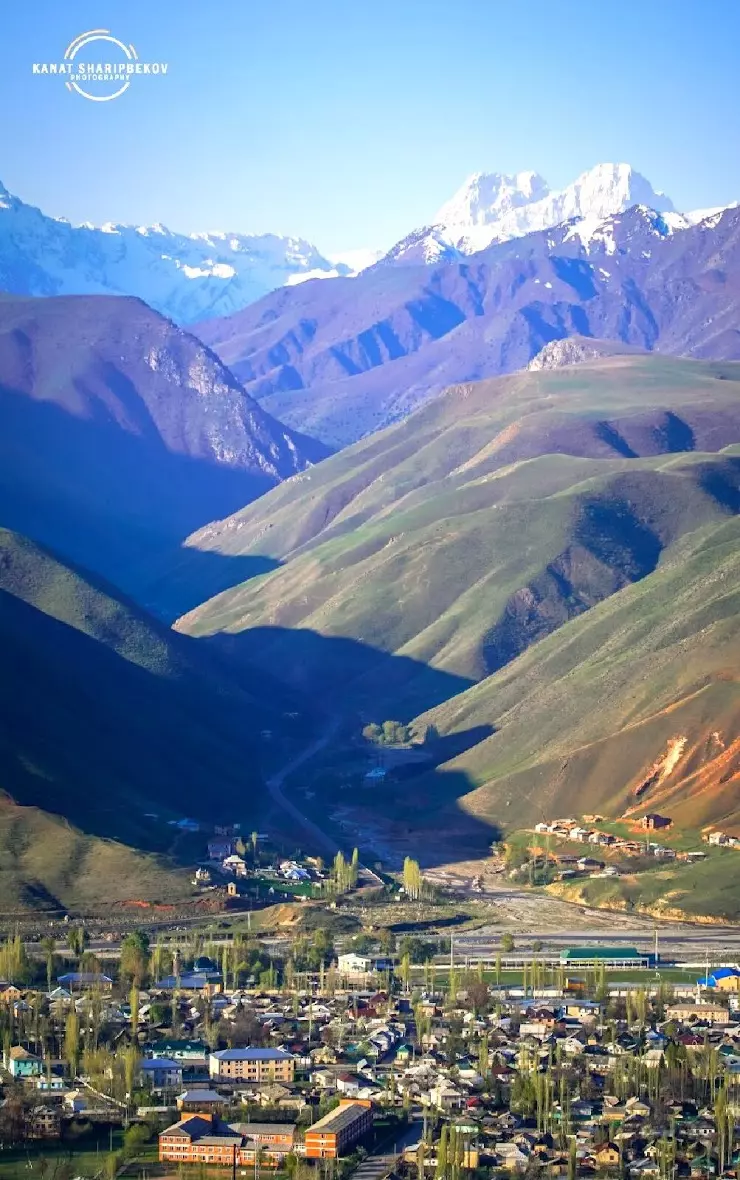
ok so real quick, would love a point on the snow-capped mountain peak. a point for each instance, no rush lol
(491, 207)
(187, 277)
(486, 197)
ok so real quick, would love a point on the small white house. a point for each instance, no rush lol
(354, 964)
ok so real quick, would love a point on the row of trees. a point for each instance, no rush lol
(344, 872)
(413, 882)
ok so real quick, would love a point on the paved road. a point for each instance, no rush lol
(375, 1167)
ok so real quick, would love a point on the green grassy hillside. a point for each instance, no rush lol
(483, 523)
(110, 725)
(587, 719)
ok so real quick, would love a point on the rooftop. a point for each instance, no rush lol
(595, 953)
(250, 1054)
(337, 1119)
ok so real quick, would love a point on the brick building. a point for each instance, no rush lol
(204, 1139)
(338, 1131)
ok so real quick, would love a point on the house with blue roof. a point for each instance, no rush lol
(724, 979)
(209, 983)
(161, 1073)
(80, 980)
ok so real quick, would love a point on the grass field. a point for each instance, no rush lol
(551, 976)
(708, 889)
(85, 1156)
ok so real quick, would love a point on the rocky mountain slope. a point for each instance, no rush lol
(186, 277)
(120, 433)
(632, 707)
(110, 726)
(344, 358)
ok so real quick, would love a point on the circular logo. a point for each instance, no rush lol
(102, 73)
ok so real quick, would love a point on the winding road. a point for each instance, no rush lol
(275, 787)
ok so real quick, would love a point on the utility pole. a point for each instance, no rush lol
(657, 956)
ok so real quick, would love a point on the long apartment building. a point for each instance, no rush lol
(339, 1130)
(252, 1065)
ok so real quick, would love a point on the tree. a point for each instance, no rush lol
(135, 957)
(134, 1138)
(412, 879)
(344, 873)
(573, 1160)
(321, 949)
(134, 1004)
(395, 733)
(507, 943)
(442, 1154)
(372, 732)
(49, 947)
(77, 940)
(420, 1154)
(478, 995)
(72, 1041)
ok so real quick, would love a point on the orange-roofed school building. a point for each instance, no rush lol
(339, 1130)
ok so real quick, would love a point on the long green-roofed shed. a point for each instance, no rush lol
(609, 956)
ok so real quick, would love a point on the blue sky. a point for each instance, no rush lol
(350, 121)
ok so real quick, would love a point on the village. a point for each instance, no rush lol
(224, 1060)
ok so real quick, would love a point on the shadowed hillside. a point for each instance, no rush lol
(115, 725)
(120, 434)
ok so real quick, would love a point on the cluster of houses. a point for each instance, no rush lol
(722, 839)
(224, 855)
(575, 831)
(550, 1082)
(461, 1065)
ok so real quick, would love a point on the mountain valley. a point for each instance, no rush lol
(524, 545)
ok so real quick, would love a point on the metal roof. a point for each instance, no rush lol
(595, 953)
(252, 1054)
(337, 1120)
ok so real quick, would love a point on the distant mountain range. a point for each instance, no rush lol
(342, 359)
(184, 276)
(494, 207)
(120, 433)
(192, 277)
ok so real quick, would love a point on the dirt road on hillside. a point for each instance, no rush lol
(275, 787)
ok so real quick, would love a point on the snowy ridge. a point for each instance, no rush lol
(496, 207)
(187, 277)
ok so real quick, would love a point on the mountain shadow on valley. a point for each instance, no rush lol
(353, 683)
(343, 674)
(176, 582)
